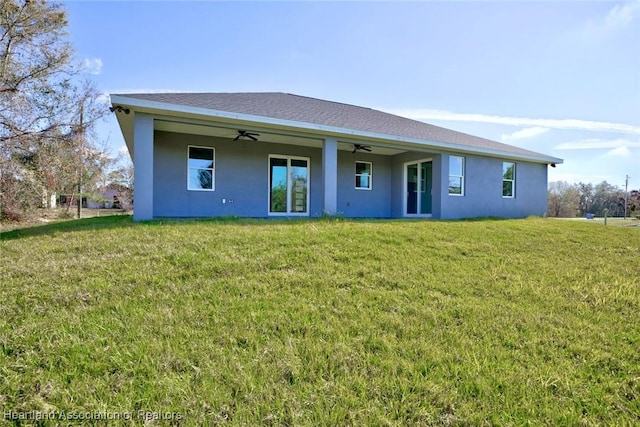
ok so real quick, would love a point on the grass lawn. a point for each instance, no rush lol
(322, 322)
(616, 221)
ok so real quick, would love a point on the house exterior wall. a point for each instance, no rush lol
(241, 177)
(330, 176)
(483, 190)
(361, 203)
(143, 159)
(398, 182)
(242, 171)
(105, 200)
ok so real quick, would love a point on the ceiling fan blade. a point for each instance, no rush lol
(245, 134)
(357, 147)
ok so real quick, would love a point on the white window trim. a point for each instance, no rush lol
(464, 166)
(513, 182)
(289, 158)
(370, 176)
(213, 170)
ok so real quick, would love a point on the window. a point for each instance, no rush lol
(508, 179)
(456, 176)
(200, 175)
(363, 175)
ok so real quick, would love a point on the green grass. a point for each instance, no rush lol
(616, 221)
(324, 322)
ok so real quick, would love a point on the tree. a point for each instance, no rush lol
(35, 69)
(633, 203)
(608, 197)
(585, 192)
(563, 200)
(122, 179)
(46, 111)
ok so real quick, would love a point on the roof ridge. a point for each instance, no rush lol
(329, 101)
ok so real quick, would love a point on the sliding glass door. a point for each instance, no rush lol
(288, 185)
(418, 186)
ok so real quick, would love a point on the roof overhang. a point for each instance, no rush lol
(203, 121)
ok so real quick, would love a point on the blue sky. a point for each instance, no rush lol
(561, 78)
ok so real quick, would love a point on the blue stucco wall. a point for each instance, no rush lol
(398, 185)
(483, 190)
(143, 172)
(241, 178)
(359, 203)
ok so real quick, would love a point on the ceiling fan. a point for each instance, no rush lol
(359, 147)
(245, 134)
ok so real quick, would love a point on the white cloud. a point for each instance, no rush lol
(595, 144)
(623, 14)
(123, 150)
(92, 66)
(622, 151)
(103, 98)
(619, 18)
(524, 133)
(427, 114)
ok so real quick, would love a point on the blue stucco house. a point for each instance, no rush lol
(277, 154)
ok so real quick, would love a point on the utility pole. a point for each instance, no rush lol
(626, 194)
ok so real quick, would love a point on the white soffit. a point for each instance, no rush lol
(266, 136)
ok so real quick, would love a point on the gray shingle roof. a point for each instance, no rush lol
(298, 108)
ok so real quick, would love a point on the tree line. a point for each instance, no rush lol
(577, 200)
(48, 113)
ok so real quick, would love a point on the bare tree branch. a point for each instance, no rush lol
(46, 110)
